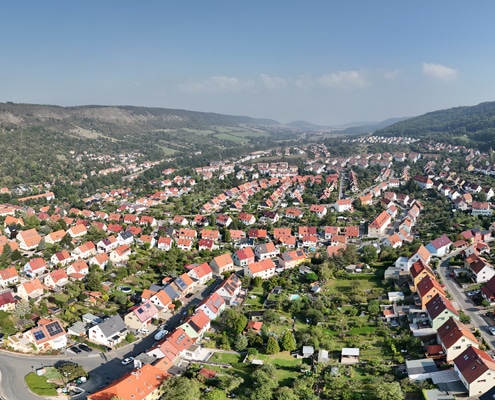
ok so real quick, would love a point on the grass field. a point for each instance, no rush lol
(38, 385)
(230, 137)
(346, 286)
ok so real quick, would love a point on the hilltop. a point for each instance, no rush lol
(458, 124)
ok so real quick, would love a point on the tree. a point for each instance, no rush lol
(71, 371)
(22, 308)
(388, 391)
(272, 346)
(370, 254)
(374, 307)
(285, 393)
(180, 387)
(93, 281)
(288, 341)
(234, 320)
(241, 342)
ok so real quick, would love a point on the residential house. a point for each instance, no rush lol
(196, 325)
(293, 213)
(292, 259)
(343, 205)
(140, 316)
(77, 230)
(243, 257)
(100, 260)
(47, 335)
(439, 310)
(264, 269)
(427, 289)
(29, 239)
(120, 254)
(164, 243)
(222, 263)
(481, 208)
(57, 278)
(423, 182)
(331, 231)
(318, 209)
(185, 284)
(201, 273)
(84, 251)
(125, 238)
(8, 277)
(266, 250)
(212, 306)
(184, 244)
(440, 246)
(144, 383)
(247, 219)
(476, 369)
(210, 234)
(31, 290)
(223, 220)
(418, 271)
(480, 270)
(455, 338)
(110, 332)
(161, 300)
(107, 244)
(61, 258)
(379, 224)
(55, 237)
(7, 301)
(229, 289)
(35, 267)
(78, 270)
(488, 290)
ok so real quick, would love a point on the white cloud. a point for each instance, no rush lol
(391, 75)
(273, 82)
(217, 84)
(438, 71)
(343, 79)
(304, 82)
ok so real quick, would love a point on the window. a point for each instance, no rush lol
(457, 347)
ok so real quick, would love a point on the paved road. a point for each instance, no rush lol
(464, 302)
(103, 368)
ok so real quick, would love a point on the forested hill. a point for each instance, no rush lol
(115, 120)
(474, 123)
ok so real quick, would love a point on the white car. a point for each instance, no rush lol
(143, 331)
(127, 360)
(160, 334)
(492, 330)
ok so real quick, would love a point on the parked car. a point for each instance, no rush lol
(85, 348)
(143, 331)
(492, 330)
(127, 360)
(160, 334)
(75, 349)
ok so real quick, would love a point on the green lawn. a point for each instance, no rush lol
(345, 286)
(232, 138)
(38, 385)
(227, 358)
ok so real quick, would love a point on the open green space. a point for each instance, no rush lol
(39, 385)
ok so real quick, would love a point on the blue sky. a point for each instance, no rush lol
(325, 61)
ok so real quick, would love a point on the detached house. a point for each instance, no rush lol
(243, 257)
(440, 246)
(223, 263)
(264, 269)
(108, 333)
(266, 250)
(247, 219)
(62, 257)
(455, 337)
(7, 301)
(481, 271)
(120, 254)
(212, 306)
(164, 243)
(32, 289)
(201, 273)
(100, 260)
(85, 250)
(55, 237)
(8, 277)
(78, 270)
(77, 231)
(35, 267)
(229, 289)
(140, 317)
(107, 244)
(57, 278)
(48, 335)
(379, 224)
(292, 259)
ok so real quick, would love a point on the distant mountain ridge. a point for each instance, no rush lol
(117, 119)
(475, 122)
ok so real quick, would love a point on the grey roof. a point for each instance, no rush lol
(350, 351)
(112, 326)
(78, 328)
(171, 292)
(126, 235)
(423, 366)
(91, 318)
(308, 350)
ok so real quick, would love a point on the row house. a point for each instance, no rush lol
(196, 325)
(330, 231)
(427, 288)
(212, 306)
(141, 316)
(455, 338)
(307, 230)
(291, 259)
(184, 233)
(439, 310)
(161, 300)
(481, 209)
(229, 289)
(418, 270)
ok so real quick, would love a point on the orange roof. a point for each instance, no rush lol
(57, 236)
(381, 220)
(8, 273)
(28, 233)
(261, 266)
(223, 260)
(138, 384)
(32, 285)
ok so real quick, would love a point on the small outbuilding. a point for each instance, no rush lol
(350, 355)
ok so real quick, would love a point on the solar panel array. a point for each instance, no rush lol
(39, 335)
(54, 328)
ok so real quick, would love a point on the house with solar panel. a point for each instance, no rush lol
(212, 306)
(140, 316)
(48, 335)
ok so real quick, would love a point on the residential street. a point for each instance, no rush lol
(464, 302)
